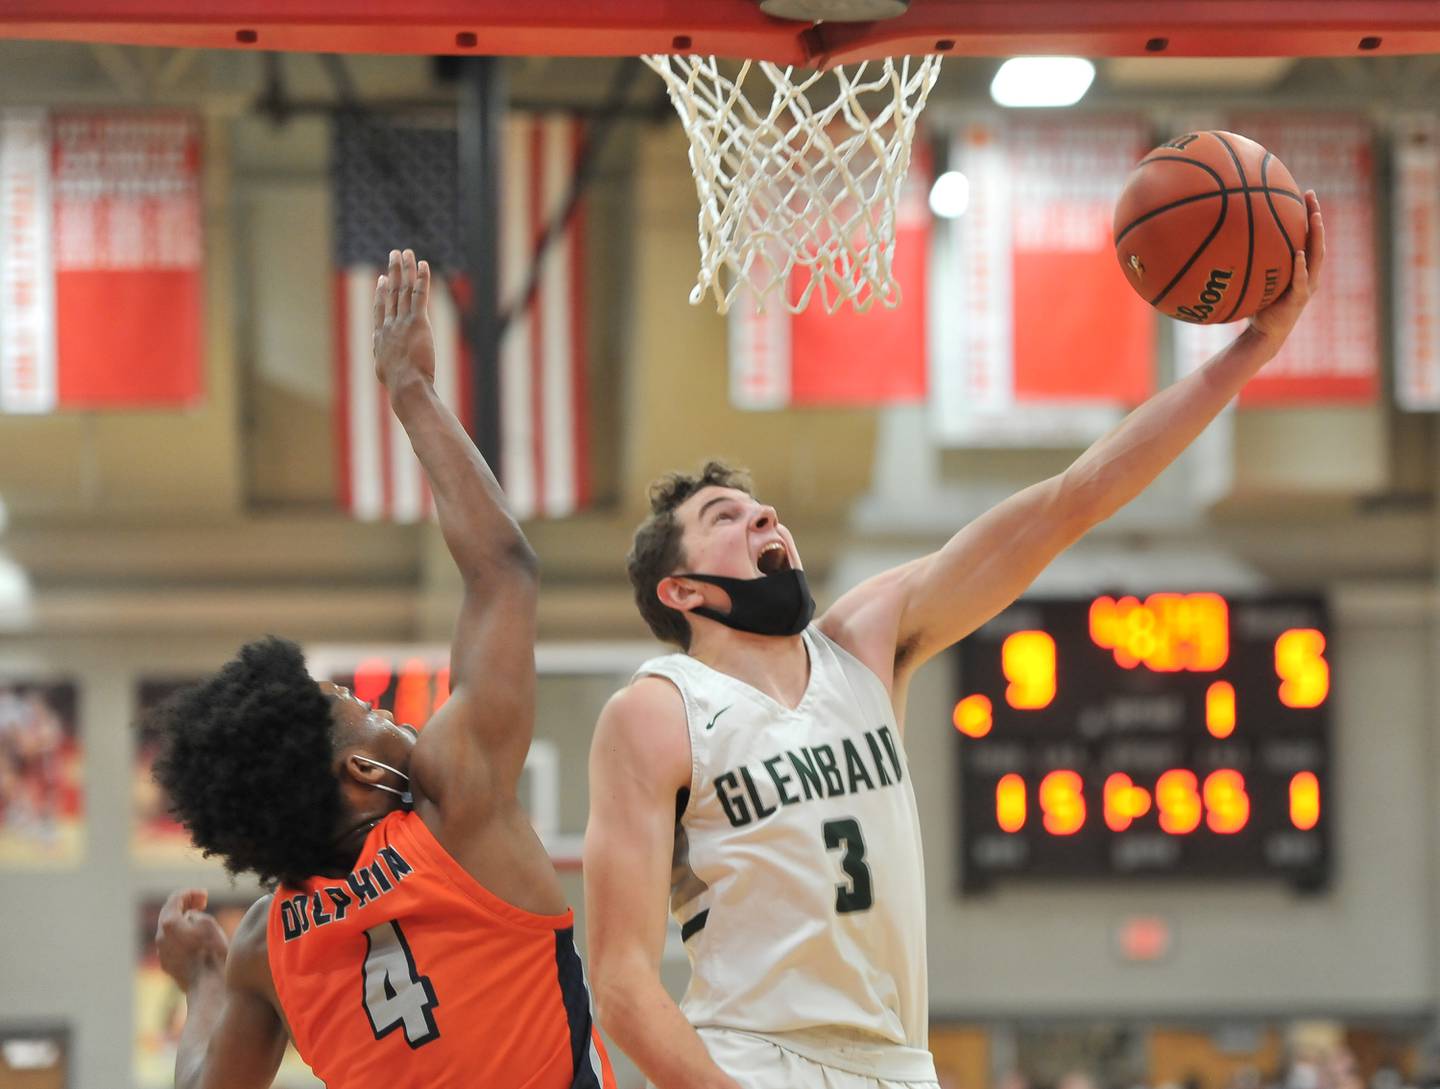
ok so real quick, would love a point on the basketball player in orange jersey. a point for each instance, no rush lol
(758, 779)
(418, 935)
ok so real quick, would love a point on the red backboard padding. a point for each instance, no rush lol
(736, 28)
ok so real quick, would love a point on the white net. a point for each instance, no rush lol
(797, 200)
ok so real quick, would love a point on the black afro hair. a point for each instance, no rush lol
(247, 761)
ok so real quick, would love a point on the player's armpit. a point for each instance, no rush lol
(901, 618)
(472, 751)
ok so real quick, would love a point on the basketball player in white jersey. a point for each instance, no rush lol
(758, 776)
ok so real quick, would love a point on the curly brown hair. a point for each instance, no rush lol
(657, 551)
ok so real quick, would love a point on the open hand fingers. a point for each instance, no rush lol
(1315, 242)
(407, 282)
(1300, 282)
(421, 300)
(392, 285)
(378, 307)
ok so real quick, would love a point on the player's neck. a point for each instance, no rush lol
(779, 666)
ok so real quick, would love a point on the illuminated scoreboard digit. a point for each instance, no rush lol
(1177, 734)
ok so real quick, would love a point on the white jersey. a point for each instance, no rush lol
(798, 880)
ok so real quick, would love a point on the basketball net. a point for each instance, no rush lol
(798, 200)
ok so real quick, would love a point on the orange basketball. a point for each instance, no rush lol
(1207, 227)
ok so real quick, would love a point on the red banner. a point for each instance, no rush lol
(1333, 356)
(1416, 210)
(1080, 331)
(874, 357)
(1040, 339)
(103, 260)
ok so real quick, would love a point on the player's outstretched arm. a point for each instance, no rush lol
(485, 728)
(899, 619)
(233, 1038)
(639, 760)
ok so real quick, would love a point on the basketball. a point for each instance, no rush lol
(1207, 227)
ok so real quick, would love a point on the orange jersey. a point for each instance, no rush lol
(407, 972)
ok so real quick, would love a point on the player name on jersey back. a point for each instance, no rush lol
(409, 971)
(331, 903)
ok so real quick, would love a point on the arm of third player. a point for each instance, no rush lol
(639, 760)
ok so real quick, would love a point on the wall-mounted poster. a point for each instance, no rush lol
(42, 797)
(160, 1006)
(156, 838)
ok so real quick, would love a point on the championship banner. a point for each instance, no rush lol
(1416, 209)
(100, 260)
(160, 1004)
(848, 358)
(42, 796)
(1036, 338)
(1333, 356)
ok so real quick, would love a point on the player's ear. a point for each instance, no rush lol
(679, 593)
(360, 768)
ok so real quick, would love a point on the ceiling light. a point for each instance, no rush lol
(950, 195)
(1042, 81)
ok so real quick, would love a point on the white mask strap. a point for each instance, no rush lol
(404, 795)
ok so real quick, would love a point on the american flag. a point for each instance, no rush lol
(396, 185)
(100, 260)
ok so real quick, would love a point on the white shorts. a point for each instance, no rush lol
(759, 1063)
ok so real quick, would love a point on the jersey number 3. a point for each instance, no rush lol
(396, 994)
(857, 894)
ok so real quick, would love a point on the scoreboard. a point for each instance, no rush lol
(1182, 735)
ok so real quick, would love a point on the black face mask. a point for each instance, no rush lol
(778, 604)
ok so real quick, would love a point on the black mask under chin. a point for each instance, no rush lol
(778, 604)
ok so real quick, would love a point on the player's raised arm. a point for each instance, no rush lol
(233, 1037)
(899, 619)
(487, 724)
(636, 768)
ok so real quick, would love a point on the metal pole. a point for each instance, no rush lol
(481, 118)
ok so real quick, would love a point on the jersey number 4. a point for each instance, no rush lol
(396, 994)
(856, 894)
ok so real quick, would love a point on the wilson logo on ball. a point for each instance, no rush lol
(1215, 288)
(1272, 286)
(1207, 226)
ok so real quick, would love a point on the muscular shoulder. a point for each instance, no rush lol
(642, 730)
(866, 621)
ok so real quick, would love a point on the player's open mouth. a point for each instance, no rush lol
(773, 558)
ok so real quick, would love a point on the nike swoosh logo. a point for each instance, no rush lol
(711, 724)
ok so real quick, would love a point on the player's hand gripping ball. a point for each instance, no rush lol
(1207, 227)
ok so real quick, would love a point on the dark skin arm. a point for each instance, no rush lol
(234, 1035)
(466, 766)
